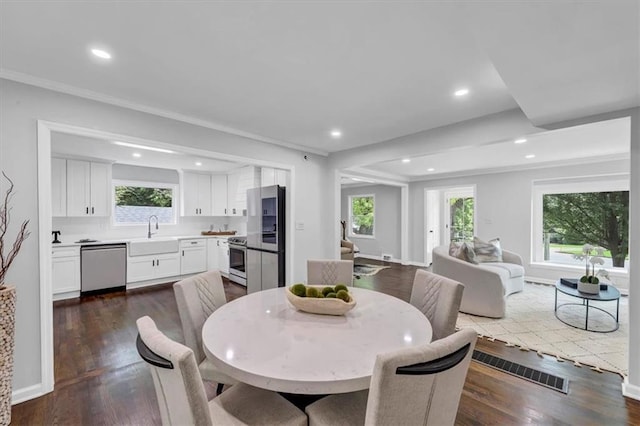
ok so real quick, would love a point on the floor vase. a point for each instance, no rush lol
(7, 340)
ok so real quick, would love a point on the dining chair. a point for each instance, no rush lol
(197, 298)
(181, 395)
(439, 299)
(419, 385)
(329, 272)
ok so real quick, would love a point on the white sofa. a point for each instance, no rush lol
(486, 285)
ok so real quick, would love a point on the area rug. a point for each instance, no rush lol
(364, 270)
(530, 324)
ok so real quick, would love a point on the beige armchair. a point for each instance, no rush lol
(346, 250)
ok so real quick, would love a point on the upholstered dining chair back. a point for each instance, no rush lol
(183, 400)
(329, 272)
(181, 395)
(439, 299)
(420, 385)
(198, 297)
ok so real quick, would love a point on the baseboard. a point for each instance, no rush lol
(25, 394)
(372, 257)
(629, 390)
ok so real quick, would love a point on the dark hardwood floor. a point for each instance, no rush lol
(100, 379)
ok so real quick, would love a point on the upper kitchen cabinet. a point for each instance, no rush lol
(219, 195)
(87, 188)
(270, 176)
(58, 187)
(238, 182)
(196, 194)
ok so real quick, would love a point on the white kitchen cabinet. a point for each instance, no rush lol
(87, 188)
(238, 182)
(193, 256)
(196, 194)
(218, 255)
(223, 257)
(65, 274)
(213, 261)
(219, 192)
(270, 176)
(143, 268)
(58, 187)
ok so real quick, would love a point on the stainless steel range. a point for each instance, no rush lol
(238, 260)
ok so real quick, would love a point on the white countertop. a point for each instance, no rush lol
(262, 340)
(126, 240)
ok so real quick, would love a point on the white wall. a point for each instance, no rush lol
(504, 208)
(20, 108)
(386, 221)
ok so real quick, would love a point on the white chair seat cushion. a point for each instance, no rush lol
(246, 405)
(340, 410)
(512, 269)
(210, 372)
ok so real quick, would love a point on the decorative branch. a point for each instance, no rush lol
(5, 216)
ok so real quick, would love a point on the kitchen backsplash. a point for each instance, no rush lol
(101, 228)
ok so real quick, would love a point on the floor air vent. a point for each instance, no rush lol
(536, 376)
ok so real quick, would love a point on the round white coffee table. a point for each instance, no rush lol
(262, 340)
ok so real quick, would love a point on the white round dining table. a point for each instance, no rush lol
(262, 340)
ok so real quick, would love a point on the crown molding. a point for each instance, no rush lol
(107, 99)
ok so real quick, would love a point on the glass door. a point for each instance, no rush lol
(460, 214)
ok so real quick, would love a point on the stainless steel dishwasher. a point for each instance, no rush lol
(103, 267)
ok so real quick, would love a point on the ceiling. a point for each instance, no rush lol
(82, 147)
(289, 72)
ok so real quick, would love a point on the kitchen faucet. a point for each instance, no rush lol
(150, 233)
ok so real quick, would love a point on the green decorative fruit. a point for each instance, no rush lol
(320, 295)
(331, 295)
(312, 292)
(595, 280)
(344, 295)
(299, 290)
(327, 290)
(584, 279)
(340, 287)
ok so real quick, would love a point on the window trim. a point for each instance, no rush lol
(350, 233)
(603, 183)
(175, 188)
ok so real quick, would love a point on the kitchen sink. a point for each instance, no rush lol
(145, 247)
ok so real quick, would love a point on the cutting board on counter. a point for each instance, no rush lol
(218, 232)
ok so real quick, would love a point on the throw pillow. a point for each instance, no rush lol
(463, 251)
(487, 251)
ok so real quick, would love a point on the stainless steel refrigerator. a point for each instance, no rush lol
(265, 238)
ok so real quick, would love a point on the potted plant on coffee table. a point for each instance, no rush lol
(7, 303)
(590, 283)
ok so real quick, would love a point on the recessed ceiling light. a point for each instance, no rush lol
(406, 160)
(530, 156)
(148, 148)
(520, 141)
(461, 92)
(198, 163)
(137, 154)
(102, 54)
(431, 169)
(336, 133)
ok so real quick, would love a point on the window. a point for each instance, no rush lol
(361, 215)
(578, 213)
(135, 202)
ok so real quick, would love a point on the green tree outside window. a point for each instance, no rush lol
(362, 215)
(596, 218)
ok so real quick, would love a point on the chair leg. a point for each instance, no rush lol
(219, 389)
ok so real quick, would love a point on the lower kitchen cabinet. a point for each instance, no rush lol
(218, 255)
(193, 256)
(143, 268)
(65, 274)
